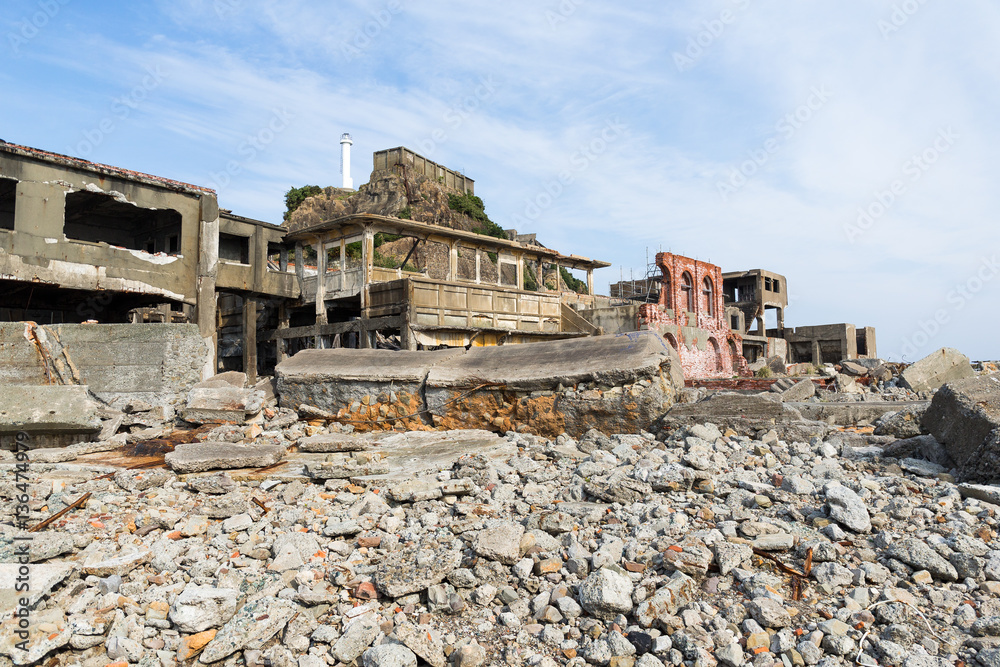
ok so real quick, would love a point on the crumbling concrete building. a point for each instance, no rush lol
(92, 245)
(749, 295)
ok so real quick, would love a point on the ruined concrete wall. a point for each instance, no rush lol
(617, 384)
(617, 319)
(156, 363)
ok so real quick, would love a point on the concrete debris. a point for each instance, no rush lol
(48, 410)
(936, 369)
(202, 456)
(613, 383)
(689, 542)
(965, 417)
(222, 404)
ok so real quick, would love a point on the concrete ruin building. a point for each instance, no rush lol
(90, 245)
(718, 333)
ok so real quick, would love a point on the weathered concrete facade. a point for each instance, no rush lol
(354, 301)
(830, 343)
(690, 316)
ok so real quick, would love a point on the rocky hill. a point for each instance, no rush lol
(415, 197)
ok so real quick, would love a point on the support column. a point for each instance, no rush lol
(320, 293)
(520, 271)
(367, 257)
(283, 260)
(300, 269)
(283, 324)
(452, 261)
(208, 271)
(590, 282)
(250, 338)
(479, 255)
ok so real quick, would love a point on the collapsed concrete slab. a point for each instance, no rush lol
(51, 415)
(965, 417)
(202, 456)
(936, 369)
(616, 384)
(613, 383)
(118, 362)
(222, 404)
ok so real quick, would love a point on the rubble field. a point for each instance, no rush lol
(293, 540)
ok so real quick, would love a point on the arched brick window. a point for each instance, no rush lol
(709, 291)
(687, 288)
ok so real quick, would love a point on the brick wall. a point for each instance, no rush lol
(691, 317)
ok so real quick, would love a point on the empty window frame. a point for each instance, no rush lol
(687, 289)
(234, 248)
(99, 218)
(708, 291)
(8, 196)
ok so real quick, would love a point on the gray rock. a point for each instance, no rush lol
(389, 655)
(251, 628)
(847, 509)
(407, 572)
(358, 635)
(607, 593)
(202, 456)
(199, 608)
(500, 542)
(918, 555)
(769, 613)
(141, 480)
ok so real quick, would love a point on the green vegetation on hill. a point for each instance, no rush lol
(473, 206)
(295, 196)
(572, 282)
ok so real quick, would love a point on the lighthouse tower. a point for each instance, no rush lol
(345, 160)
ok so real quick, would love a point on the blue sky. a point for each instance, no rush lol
(850, 146)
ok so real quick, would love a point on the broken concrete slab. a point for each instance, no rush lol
(44, 577)
(965, 417)
(360, 386)
(613, 383)
(337, 442)
(857, 412)
(936, 369)
(922, 446)
(222, 404)
(202, 456)
(800, 391)
(853, 368)
(47, 410)
(419, 454)
(616, 384)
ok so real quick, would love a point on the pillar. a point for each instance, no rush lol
(250, 338)
(320, 293)
(479, 254)
(208, 271)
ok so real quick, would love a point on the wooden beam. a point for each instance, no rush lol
(334, 328)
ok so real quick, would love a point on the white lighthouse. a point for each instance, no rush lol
(345, 160)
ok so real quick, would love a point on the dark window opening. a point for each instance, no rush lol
(688, 288)
(234, 248)
(8, 195)
(100, 218)
(734, 322)
(709, 292)
(776, 285)
(667, 290)
(277, 257)
(173, 244)
(862, 343)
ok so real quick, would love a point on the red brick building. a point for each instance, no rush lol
(691, 316)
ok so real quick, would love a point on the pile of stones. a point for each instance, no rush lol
(691, 546)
